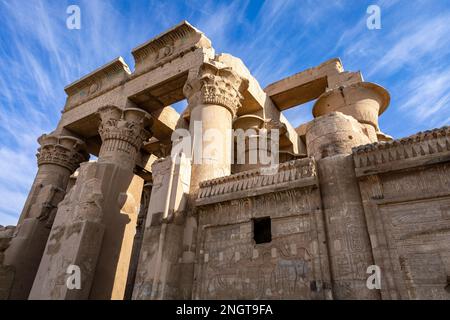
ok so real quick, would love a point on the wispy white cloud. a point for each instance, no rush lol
(40, 56)
(427, 98)
(413, 42)
(409, 56)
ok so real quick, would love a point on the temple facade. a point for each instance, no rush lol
(332, 209)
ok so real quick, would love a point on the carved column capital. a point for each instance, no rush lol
(216, 85)
(122, 131)
(65, 151)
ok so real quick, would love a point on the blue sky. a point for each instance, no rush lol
(409, 56)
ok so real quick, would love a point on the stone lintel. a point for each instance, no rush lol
(98, 81)
(168, 45)
(309, 84)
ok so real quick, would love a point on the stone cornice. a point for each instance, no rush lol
(175, 43)
(293, 174)
(216, 84)
(97, 82)
(167, 46)
(423, 148)
(65, 151)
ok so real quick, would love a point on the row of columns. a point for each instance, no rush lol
(58, 157)
(92, 226)
(95, 223)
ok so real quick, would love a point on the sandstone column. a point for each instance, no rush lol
(58, 157)
(166, 263)
(6, 272)
(364, 101)
(330, 139)
(95, 224)
(214, 96)
(159, 268)
(345, 117)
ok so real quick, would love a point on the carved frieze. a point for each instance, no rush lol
(296, 173)
(170, 45)
(421, 148)
(96, 83)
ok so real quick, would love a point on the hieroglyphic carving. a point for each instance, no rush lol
(291, 265)
(232, 264)
(418, 234)
(409, 227)
(298, 200)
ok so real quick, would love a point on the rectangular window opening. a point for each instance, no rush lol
(262, 230)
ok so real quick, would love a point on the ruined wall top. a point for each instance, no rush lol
(295, 173)
(431, 146)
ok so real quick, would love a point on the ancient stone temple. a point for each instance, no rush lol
(340, 210)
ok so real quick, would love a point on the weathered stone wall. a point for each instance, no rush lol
(292, 265)
(399, 194)
(160, 259)
(405, 187)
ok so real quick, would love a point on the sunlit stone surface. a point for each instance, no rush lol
(142, 222)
